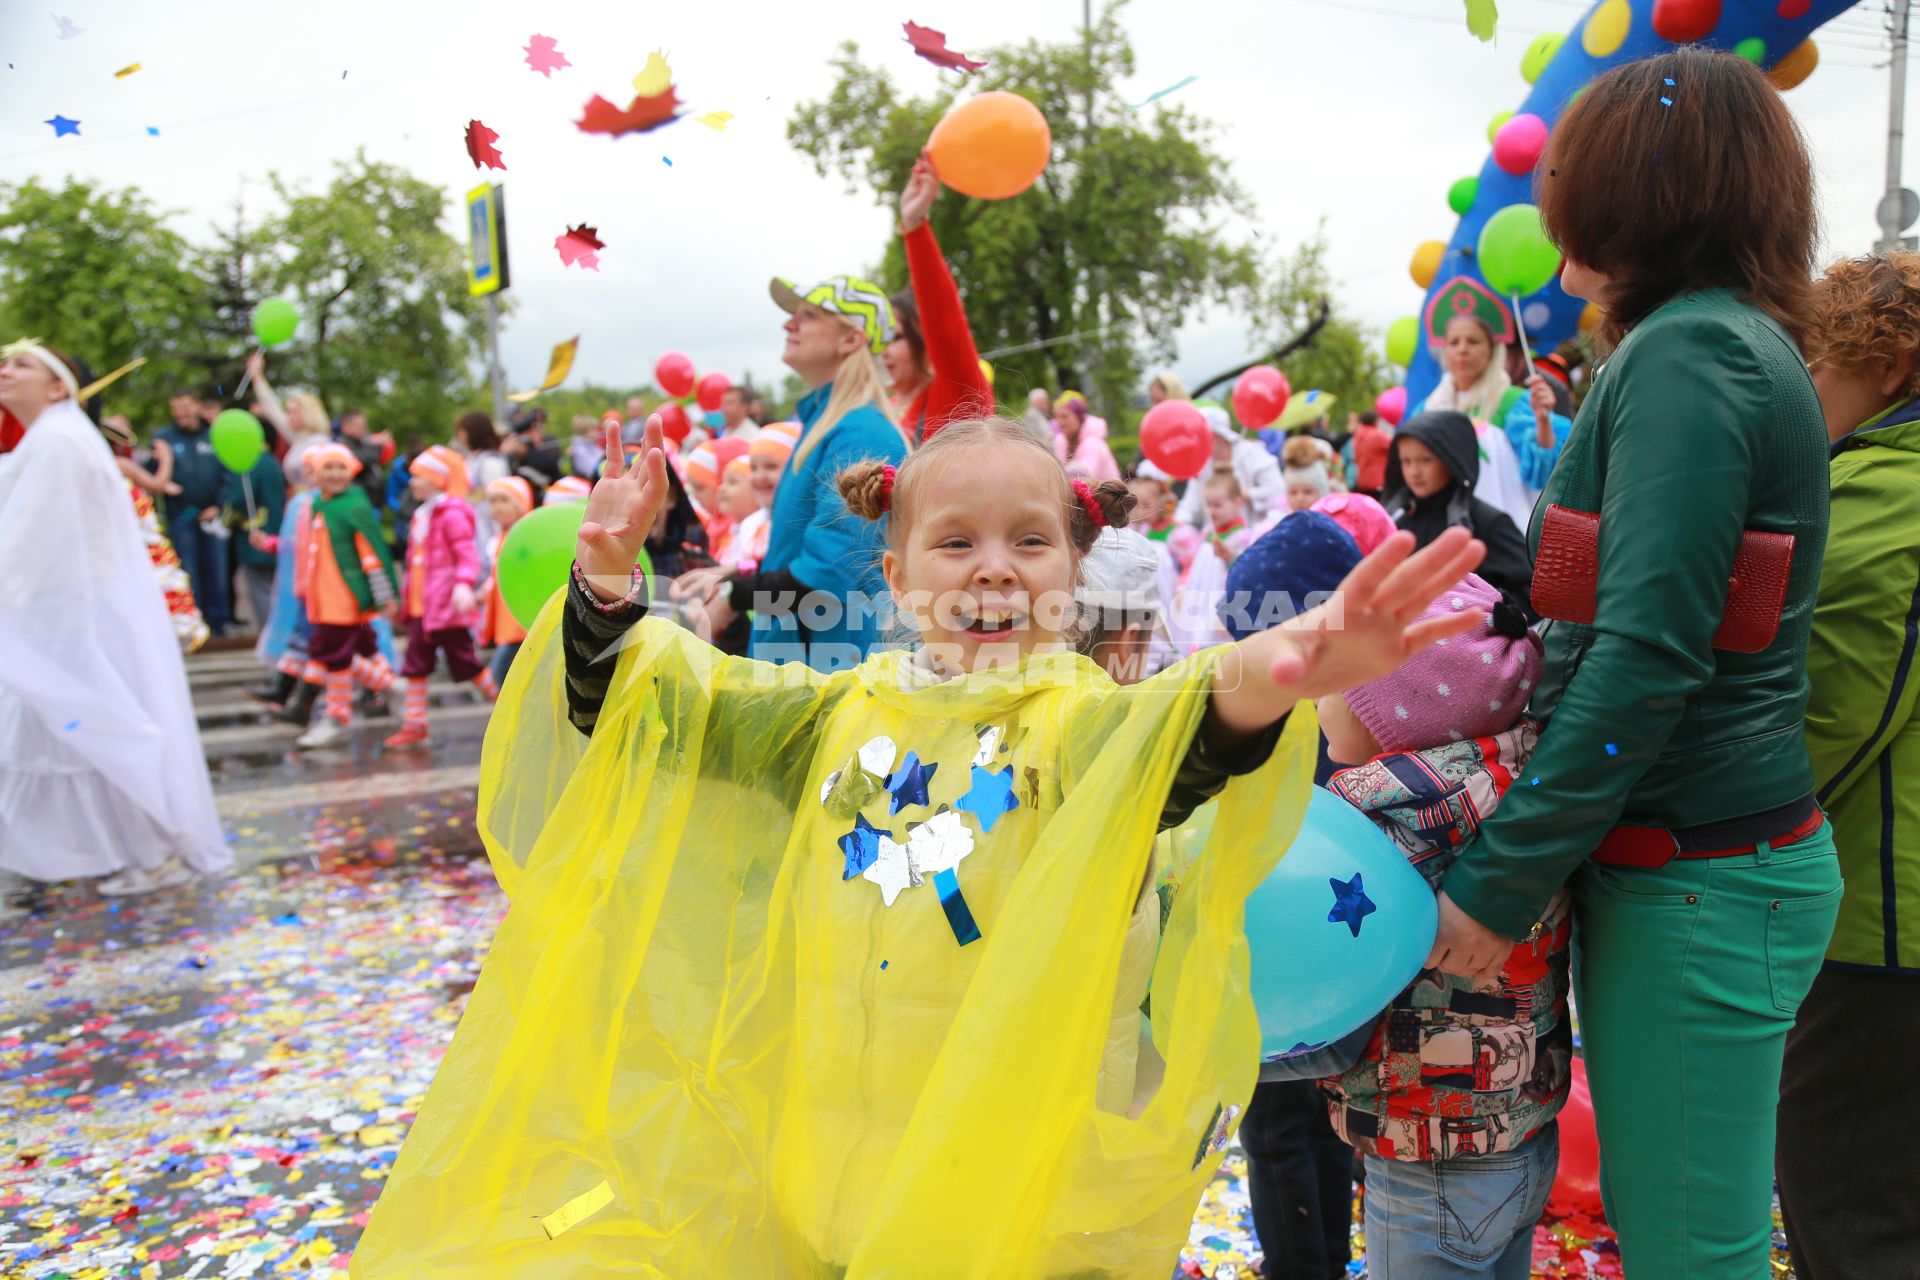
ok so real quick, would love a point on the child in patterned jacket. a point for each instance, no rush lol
(1453, 1102)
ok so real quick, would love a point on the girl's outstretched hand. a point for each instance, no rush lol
(620, 512)
(1367, 628)
(916, 199)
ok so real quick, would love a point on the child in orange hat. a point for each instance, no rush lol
(443, 566)
(508, 499)
(346, 579)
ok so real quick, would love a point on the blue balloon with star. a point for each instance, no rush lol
(1338, 930)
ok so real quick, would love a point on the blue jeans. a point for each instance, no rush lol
(205, 560)
(502, 659)
(1467, 1216)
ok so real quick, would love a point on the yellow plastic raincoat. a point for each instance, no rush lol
(704, 1044)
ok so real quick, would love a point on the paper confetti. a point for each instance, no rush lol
(152, 132)
(63, 126)
(480, 148)
(909, 784)
(126, 71)
(1351, 904)
(715, 120)
(1161, 93)
(576, 1211)
(580, 246)
(932, 45)
(644, 113)
(892, 870)
(543, 55)
(1482, 15)
(656, 77)
(68, 29)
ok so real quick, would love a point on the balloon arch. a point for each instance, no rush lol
(1774, 34)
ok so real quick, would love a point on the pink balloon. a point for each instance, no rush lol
(1176, 438)
(712, 387)
(673, 374)
(1576, 1185)
(1517, 147)
(1260, 396)
(1391, 405)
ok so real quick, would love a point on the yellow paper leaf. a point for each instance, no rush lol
(715, 120)
(576, 1211)
(655, 78)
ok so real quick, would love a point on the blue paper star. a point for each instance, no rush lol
(63, 126)
(861, 846)
(990, 796)
(909, 782)
(1351, 904)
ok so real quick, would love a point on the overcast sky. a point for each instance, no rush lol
(1359, 112)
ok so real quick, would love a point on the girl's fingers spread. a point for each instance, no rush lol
(654, 436)
(610, 444)
(1422, 634)
(1438, 566)
(1362, 586)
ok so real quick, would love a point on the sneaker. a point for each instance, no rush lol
(411, 737)
(137, 880)
(326, 732)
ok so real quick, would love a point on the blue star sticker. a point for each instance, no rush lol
(909, 782)
(990, 796)
(1351, 904)
(63, 126)
(861, 846)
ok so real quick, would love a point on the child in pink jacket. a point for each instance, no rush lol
(443, 565)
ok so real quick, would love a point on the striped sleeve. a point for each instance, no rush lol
(590, 635)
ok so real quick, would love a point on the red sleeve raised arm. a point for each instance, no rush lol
(959, 390)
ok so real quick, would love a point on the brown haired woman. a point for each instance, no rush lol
(1846, 1216)
(1671, 786)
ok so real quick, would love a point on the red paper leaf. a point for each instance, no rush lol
(932, 45)
(642, 114)
(544, 57)
(480, 148)
(578, 246)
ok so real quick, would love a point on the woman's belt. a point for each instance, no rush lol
(1626, 846)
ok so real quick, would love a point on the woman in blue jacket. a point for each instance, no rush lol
(819, 597)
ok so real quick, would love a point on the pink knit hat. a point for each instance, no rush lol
(1360, 516)
(1472, 686)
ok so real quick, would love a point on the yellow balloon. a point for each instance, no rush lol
(1590, 317)
(1426, 262)
(1795, 67)
(1607, 28)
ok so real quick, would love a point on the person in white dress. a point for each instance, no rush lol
(101, 769)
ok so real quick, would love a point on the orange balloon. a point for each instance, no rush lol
(992, 146)
(1795, 67)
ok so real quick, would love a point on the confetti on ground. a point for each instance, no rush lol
(126, 71)
(544, 56)
(932, 45)
(715, 120)
(580, 246)
(63, 126)
(480, 148)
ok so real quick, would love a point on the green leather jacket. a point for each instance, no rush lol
(1702, 425)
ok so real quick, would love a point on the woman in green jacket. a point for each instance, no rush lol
(1849, 1216)
(1671, 788)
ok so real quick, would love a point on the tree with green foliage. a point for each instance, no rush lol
(100, 275)
(386, 322)
(1117, 244)
(1344, 359)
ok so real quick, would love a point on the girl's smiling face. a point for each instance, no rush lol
(986, 581)
(505, 510)
(737, 499)
(765, 470)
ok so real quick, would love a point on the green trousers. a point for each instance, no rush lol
(1687, 978)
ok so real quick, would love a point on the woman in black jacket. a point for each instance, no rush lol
(1431, 472)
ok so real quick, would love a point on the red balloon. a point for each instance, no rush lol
(674, 423)
(1685, 21)
(1576, 1187)
(1176, 439)
(725, 450)
(673, 374)
(1391, 405)
(712, 387)
(1260, 396)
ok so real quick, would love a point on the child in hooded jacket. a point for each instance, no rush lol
(443, 569)
(1454, 1099)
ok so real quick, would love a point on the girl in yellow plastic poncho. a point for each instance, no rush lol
(817, 975)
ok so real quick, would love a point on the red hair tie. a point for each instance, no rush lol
(886, 486)
(1089, 504)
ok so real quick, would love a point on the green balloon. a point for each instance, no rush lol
(1493, 125)
(274, 321)
(1462, 194)
(238, 440)
(1515, 255)
(536, 558)
(1402, 335)
(1538, 55)
(1753, 49)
